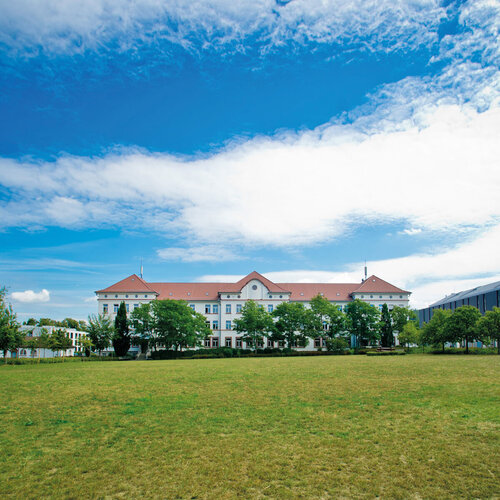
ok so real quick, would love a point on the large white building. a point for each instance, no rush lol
(221, 303)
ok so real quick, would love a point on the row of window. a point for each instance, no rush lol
(213, 342)
(380, 296)
(214, 308)
(105, 309)
(215, 325)
(126, 296)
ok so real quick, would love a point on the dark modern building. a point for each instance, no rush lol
(484, 297)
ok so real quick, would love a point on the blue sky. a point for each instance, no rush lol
(212, 138)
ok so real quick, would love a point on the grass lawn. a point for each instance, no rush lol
(327, 427)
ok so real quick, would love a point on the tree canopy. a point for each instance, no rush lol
(386, 335)
(488, 326)
(362, 321)
(10, 336)
(461, 325)
(121, 335)
(255, 323)
(100, 331)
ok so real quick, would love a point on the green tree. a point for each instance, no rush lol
(70, 323)
(142, 322)
(31, 322)
(409, 334)
(43, 341)
(401, 316)
(86, 344)
(59, 341)
(335, 320)
(386, 335)
(290, 325)
(488, 326)
(100, 331)
(176, 325)
(121, 336)
(434, 331)
(255, 323)
(362, 322)
(47, 322)
(10, 336)
(461, 325)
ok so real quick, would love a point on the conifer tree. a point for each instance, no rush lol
(386, 335)
(121, 337)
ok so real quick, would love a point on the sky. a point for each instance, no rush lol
(211, 138)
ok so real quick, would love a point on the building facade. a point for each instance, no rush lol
(222, 303)
(485, 298)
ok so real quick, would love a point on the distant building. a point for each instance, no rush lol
(36, 331)
(485, 298)
(221, 303)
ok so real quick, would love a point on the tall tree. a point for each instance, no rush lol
(331, 315)
(100, 331)
(142, 322)
(255, 323)
(362, 321)
(121, 336)
(488, 326)
(386, 335)
(10, 336)
(176, 325)
(59, 341)
(290, 324)
(409, 334)
(461, 325)
(434, 331)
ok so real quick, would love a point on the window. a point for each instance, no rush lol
(380, 307)
(238, 342)
(270, 343)
(137, 296)
(238, 308)
(228, 296)
(260, 344)
(207, 323)
(228, 325)
(281, 344)
(228, 308)
(126, 296)
(339, 308)
(136, 306)
(254, 287)
(215, 324)
(126, 307)
(380, 296)
(207, 308)
(145, 296)
(270, 308)
(281, 296)
(229, 342)
(215, 308)
(400, 296)
(317, 342)
(105, 308)
(207, 342)
(215, 342)
(390, 296)
(325, 325)
(192, 306)
(371, 296)
(116, 296)
(105, 296)
(115, 308)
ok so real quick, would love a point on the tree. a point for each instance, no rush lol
(401, 316)
(43, 341)
(255, 323)
(409, 334)
(86, 344)
(434, 332)
(100, 331)
(386, 335)
(362, 321)
(59, 341)
(461, 325)
(47, 322)
(488, 326)
(142, 322)
(335, 320)
(176, 325)
(70, 323)
(31, 322)
(10, 336)
(290, 325)
(121, 336)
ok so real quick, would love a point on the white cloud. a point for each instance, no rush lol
(207, 253)
(29, 27)
(90, 300)
(29, 296)
(437, 171)
(411, 231)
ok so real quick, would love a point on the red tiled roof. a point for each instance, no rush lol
(254, 275)
(131, 284)
(373, 284)
(187, 291)
(331, 291)
(210, 291)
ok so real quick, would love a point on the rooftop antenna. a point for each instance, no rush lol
(366, 272)
(141, 268)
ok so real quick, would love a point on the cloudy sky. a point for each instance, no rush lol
(210, 138)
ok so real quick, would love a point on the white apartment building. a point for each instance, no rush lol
(221, 303)
(36, 331)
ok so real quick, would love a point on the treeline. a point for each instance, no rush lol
(463, 325)
(65, 323)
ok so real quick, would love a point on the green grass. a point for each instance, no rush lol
(324, 427)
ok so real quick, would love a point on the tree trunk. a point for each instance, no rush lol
(443, 347)
(466, 345)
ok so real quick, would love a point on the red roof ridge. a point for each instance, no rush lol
(126, 284)
(367, 286)
(271, 286)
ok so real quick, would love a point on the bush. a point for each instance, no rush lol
(385, 353)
